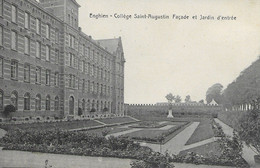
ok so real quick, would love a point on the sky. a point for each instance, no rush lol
(184, 57)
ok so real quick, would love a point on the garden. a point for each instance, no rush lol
(157, 135)
(66, 125)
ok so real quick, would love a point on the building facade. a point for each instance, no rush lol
(50, 68)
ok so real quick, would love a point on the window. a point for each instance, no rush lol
(83, 66)
(83, 85)
(57, 55)
(1, 7)
(57, 36)
(38, 26)
(48, 76)
(1, 36)
(14, 13)
(56, 103)
(56, 79)
(38, 75)
(27, 73)
(14, 69)
(48, 31)
(71, 63)
(1, 67)
(48, 103)
(71, 41)
(26, 45)
(26, 20)
(27, 101)
(83, 50)
(47, 53)
(14, 99)
(88, 86)
(38, 102)
(14, 40)
(72, 80)
(38, 49)
(1, 100)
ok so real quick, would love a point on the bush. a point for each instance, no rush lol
(80, 111)
(79, 143)
(249, 130)
(8, 110)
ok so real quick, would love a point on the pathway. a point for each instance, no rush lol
(248, 153)
(21, 159)
(177, 143)
(204, 142)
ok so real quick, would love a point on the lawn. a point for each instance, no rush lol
(156, 135)
(208, 150)
(107, 130)
(203, 131)
(65, 125)
(231, 118)
(116, 120)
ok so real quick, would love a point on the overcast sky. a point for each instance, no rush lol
(184, 57)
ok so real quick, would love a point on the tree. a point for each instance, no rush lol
(187, 99)
(201, 101)
(170, 97)
(177, 99)
(214, 92)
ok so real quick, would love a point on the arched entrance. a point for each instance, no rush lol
(71, 105)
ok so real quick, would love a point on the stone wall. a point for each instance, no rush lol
(178, 109)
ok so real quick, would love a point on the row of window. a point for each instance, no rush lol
(27, 101)
(27, 19)
(38, 48)
(98, 105)
(92, 87)
(86, 51)
(27, 73)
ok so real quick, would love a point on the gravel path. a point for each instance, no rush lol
(248, 153)
(177, 143)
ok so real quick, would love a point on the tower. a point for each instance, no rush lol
(66, 10)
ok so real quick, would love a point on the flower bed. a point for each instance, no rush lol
(153, 136)
(148, 124)
(84, 144)
(66, 125)
(79, 143)
(116, 120)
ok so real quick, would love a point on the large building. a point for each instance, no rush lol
(50, 68)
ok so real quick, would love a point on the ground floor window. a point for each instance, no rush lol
(38, 102)
(27, 101)
(48, 103)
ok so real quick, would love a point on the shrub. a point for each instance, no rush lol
(8, 110)
(249, 130)
(80, 111)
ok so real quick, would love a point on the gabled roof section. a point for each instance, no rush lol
(75, 2)
(111, 44)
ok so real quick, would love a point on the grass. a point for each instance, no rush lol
(116, 120)
(109, 130)
(153, 135)
(208, 150)
(203, 131)
(231, 118)
(65, 125)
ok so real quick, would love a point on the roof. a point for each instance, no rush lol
(75, 2)
(213, 102)
(110, 44)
